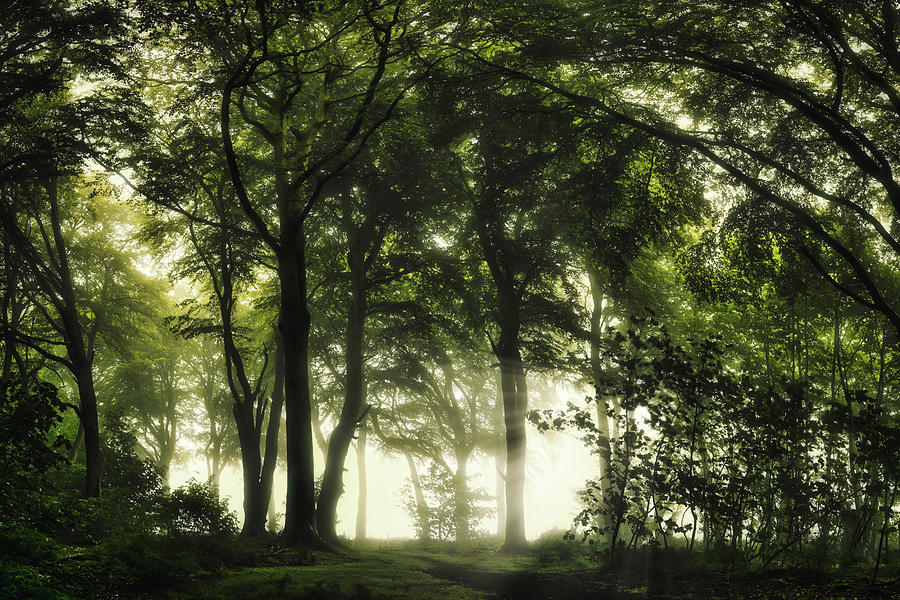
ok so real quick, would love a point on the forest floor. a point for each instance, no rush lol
(485, 574)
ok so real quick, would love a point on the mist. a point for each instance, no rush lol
(419, 299)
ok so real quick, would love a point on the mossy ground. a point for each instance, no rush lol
(205, 568)
(351, 575)
(475, 573)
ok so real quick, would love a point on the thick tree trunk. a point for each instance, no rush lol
(354, 399)
(294, 325)
(91, 424)
(251, 464)
(293, 320)
(515, 403)
(361, 474)
(515, 399)
(509, 292)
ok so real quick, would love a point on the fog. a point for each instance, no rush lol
(558, 465)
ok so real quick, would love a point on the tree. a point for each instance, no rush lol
(221, 262)
(378, 202)
(441, 409)
(506, 177)
(291, 86)
(150, 387)
(219, 441)
(41, 222)
(789, 99)
(42, 146)
(628, 195)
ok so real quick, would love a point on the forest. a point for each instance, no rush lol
(601, 298)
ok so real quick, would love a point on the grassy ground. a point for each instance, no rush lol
(363, 575)
(433, 574)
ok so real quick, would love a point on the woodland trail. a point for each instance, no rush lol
(515, 585)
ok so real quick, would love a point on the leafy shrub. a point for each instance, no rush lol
(28, 544)
(196, 509)
(27, 416)
(23, 582)
(123, 468)
(143, 560)
(555, 547)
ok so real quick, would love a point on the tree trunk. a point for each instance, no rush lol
(81, 361)
(294, 325)
(603, 428)
(461, 495)
(514, 392)
(91, 424)
(515, 398)
(421, 505)
(79, 437)
(319, 436)
(8, 313)
(272, 516)
(501, 492)
(251, 464)
(354, 397)
(258, 467)
(168, 426)
(270, 460)
(60, 291)
(361, 472)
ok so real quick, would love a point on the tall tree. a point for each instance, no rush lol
(292, 85)
(505, 176)
(791, 100)
(46, 48)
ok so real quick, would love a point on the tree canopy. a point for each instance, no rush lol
(262, 233)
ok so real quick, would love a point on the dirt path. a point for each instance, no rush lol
(572, 585)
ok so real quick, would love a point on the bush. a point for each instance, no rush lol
(28, 415)
(144, 560)
(28, 545)
(555, 547)
(196, 509)
(26, 583)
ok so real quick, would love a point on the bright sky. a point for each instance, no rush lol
(557, 467)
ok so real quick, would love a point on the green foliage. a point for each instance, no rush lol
(557, 547)
(196, 509)
(436, 183)
(27, 417)
(142, 559)
(23, 582)
(29, 544)
(448, 505)
(708, 453)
